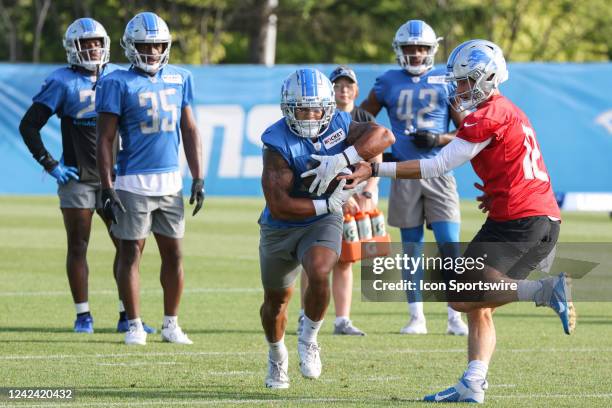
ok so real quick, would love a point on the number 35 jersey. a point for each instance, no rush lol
(69, 93)
(414, 103)
(149, 110)
(511, 166)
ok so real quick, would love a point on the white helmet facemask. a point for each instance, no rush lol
(147, 28)
(482, 64)
(415, 32)
(307, 89)
(91, 59)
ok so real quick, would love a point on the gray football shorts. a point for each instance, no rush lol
(76, 194)
(281, 249)
(163, 215)
(412, 202)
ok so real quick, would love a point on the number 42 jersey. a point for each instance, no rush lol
(511, 166)
(149, 110)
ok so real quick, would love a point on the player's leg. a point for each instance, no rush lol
(406, 212)
(318, 251)
(77, 201)
(131, 230)
(412, 245)
(342, 291)
(168, 226)
(279, 270)
(122, 323)
(77, 222)
(303, 286)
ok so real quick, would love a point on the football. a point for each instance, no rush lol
(307, 181)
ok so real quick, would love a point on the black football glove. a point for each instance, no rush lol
(425, 139)
(110, 200)
(197, 194)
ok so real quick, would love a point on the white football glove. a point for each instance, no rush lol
(339, 197)
(324, 174)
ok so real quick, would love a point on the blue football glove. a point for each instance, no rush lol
(63, 174)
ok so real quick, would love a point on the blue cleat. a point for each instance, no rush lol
(84, 324)
(460, 392)
(123, 326)
(556, 293)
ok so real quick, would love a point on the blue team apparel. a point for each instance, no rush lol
(149, 110)
(414, 103)
(70, 92)
(296, 151)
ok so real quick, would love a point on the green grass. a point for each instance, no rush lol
(535, 364)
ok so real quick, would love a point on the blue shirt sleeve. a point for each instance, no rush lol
(52, 94)
(345, 120)
(109, 96)
(187, 90)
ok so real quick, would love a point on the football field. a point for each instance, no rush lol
(535, 363)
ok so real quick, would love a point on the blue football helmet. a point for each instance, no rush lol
(415, 32)
(83, 29)
(145, 28)
(307, 88)
(481, 61)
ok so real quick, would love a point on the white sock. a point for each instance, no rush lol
(170, 321)
(121, 306)
(453, 314)
(416, 310)
(278, 350)
(527, 289)
(81, 307)
(340, 320)
(476, 371)
(136, 322)
(310, 331)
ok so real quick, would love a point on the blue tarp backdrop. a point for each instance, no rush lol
(569, 105)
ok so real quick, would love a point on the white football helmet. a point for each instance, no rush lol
(307, 88)
(83, 29)
(415, 32)
(484, 63)
(148, 28)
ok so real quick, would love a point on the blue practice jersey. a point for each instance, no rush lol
(149, 110)
(69, 92)
(414, 103)
(296, 151)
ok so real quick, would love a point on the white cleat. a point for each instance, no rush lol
(174, 334)
(135, 336)
(457, 327)
(277, 374)
(310, 359)
(416, 325)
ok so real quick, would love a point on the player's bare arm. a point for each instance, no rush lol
(277, 182)
(369, 139)
(106, 129)
(371, 104)
(191, 141)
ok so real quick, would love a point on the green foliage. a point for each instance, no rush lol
(333, 31)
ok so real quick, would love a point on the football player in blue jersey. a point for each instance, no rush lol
(69, 93)
(416, 100)
(298, 226)
(150, 105)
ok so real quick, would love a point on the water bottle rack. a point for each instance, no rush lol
(377, 246)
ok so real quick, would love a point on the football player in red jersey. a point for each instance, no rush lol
(523, 222)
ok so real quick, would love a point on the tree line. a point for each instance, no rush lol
(317, 31)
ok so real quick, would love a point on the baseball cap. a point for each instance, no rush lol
(343, 71)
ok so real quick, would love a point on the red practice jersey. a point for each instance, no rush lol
(511, 166)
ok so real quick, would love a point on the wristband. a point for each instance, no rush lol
(320, 207)
(386, 170)
(351, 155)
